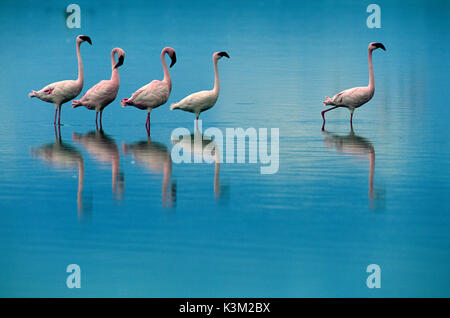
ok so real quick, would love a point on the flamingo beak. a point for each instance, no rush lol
(221, 54)
(174, 59)
(120, 62)
(379, 45)
(86, 38)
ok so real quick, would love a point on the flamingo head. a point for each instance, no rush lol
(376, 45)
(219, 55)
(120, 55)
(171, 52)
(83, 38)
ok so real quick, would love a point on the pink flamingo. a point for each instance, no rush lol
(156, 93)
(103, 93)
(61, 92)
(353, 98)
(203, 100)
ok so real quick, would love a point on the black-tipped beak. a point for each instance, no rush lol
(121, 59)
(379, 45)
(223, 54)
(86, 38)
(174, 59)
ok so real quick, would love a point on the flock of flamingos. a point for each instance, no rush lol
(154, 155)
(157, 93)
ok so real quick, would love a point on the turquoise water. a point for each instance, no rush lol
(140, 225)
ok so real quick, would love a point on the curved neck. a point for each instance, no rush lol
(80, 78)
(166, 69)
(115, 71)
(216, 78)
(371, 75)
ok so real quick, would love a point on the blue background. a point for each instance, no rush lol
(308, 231)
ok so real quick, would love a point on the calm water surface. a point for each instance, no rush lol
(140, 225)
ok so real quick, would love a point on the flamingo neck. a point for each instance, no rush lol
(115, 71)
(216, 78)
(167, 78)
(371, 75)
(80, 78)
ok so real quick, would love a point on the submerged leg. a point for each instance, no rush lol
(323, 115)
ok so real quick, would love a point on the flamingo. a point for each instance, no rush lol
(203, 100)
(353, 98)
(156, 93)
(61, 92)
(103, 93)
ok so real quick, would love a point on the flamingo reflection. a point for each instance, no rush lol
(155, 157)
(354, 145)
(61, 155)
(197, 144)
(104, 149)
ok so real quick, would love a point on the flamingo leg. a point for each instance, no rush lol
(323, 115)
(101, 113)
(56, 112)
(351, 120)
(59, 115)
(196, 121)
(147, 123)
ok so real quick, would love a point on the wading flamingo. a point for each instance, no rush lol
(103, 93)
(156, 93)
(204, 100)
(353, 98)
(61, 92)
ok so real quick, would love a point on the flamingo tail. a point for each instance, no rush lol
(126, 101)
(174, 106)
(76, 103)
(328, 101)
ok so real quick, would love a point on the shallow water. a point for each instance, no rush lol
(140, 225)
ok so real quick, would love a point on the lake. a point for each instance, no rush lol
(140, 225)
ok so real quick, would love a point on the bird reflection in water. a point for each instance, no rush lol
(62, 155)
(104, 149)
(155, 157)
(355, 146)
(197, 144)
